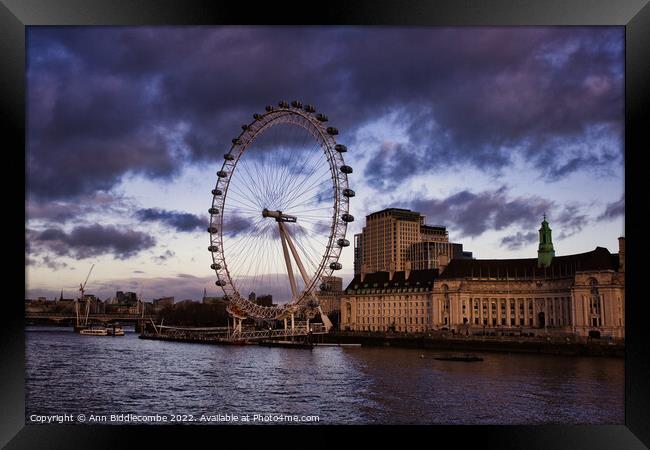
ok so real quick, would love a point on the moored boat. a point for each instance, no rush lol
(115, 330)
(286, 344)
(99, 331)
(464, 357)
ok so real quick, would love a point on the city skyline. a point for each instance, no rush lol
(482, 130)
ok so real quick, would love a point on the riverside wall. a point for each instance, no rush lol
(507, 344)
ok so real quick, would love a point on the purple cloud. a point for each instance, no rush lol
(180, 221)
(104, 102)
(88, 241)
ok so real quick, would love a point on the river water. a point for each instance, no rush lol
(67, 373)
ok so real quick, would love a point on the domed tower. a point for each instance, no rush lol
(545, 252)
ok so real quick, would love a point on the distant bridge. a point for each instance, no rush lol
(59, 317)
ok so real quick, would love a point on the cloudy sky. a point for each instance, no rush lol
(483, 130)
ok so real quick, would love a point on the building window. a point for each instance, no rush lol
(594, 303)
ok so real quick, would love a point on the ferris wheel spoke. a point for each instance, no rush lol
(242, 196)
(297, 181)
(294, 178)
(313, 201)
(255, 187)
(322, 181)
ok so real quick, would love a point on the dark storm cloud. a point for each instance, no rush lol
(62, 211)
(107, 102)
(518, 240)
(471, 214)
(58, 212)
(180, 221)
(164, 257)
(235, 225)
(614, 209)
(88, 241)
(186, 275)
(46, 261)
(572, 220)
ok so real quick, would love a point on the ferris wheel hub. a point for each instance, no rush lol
(278, 216)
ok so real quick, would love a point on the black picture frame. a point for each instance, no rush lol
(634, 15)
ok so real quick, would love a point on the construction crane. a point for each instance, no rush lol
(82, 288)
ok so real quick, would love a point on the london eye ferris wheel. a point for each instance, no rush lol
(279, 214)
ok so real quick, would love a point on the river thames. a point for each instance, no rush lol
(67, 373)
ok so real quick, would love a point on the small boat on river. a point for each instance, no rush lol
(466, 357)
(115, 330)
(286, 344)
(94, 331)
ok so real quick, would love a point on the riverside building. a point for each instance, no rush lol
(396, 239)
(581, 294)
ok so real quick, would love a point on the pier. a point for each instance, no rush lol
(301, 332)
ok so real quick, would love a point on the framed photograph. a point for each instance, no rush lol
(363, 216)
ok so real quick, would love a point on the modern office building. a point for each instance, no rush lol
(396, 239)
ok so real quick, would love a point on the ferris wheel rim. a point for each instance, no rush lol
(293, 115)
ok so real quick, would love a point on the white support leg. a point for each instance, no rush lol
(292, 279)
(326, 320)
(294, 252)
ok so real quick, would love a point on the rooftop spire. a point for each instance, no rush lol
(545, 251)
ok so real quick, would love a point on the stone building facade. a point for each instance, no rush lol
(389, 301)
(579, 294)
